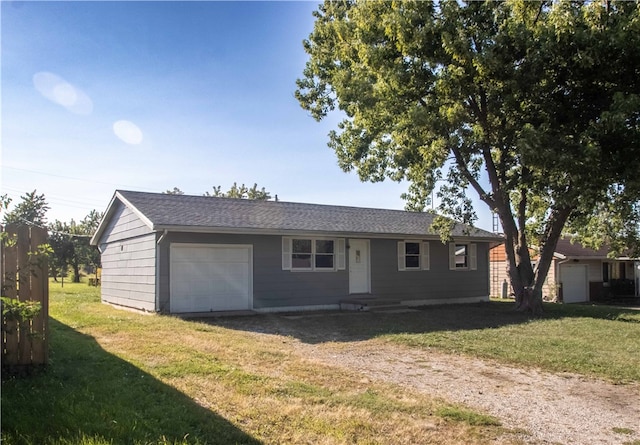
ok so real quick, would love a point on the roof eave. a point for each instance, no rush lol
(300, 232)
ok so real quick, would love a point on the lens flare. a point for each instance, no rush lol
(128, 132)
(61, 92)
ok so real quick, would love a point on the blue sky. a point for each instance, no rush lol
(99, 96)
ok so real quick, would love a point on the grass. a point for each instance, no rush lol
(597, 341)
(119, 377)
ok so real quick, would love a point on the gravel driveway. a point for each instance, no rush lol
(549, 408)
(552, 408)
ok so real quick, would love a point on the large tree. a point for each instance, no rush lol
(70, 245)
(535, 106)
(31, 210)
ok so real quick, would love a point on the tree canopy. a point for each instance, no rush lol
(241, 192)
(70, 245)
(535, 106)
(31, 210)
(236, 191)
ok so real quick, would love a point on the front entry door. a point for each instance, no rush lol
(359, 270)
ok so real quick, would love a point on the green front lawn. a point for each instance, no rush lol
(597, 341)
(119, 377)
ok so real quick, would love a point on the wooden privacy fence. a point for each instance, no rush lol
(25, 278)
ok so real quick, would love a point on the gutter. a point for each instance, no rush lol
(313, 233)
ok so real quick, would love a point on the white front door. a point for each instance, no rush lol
(574, 283)
(359, 271)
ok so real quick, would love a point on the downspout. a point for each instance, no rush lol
(164, 234)
(557, 267)
(162, 237)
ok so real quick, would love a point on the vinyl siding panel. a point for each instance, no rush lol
(272, 286)
(128, 273)
(128, 262)
(437, 283)
(124, 224)
(498, 276)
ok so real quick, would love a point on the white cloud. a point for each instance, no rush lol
(128, 132)
(61, 92)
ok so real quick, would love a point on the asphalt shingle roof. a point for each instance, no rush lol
(198, 213)
(567, 248)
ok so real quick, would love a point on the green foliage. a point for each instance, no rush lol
(241, 192)
(175, 191)
(4, 202)
(508, 99)
(13, 309)
(32, 209)
(70, 245)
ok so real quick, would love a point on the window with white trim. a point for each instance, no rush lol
(413, 255)
(463, 256)
(313, 254)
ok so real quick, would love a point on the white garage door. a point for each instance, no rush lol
(208, 278)
(574, 283)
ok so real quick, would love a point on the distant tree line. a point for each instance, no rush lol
(68, 241)
(70, 250)
(236, 191)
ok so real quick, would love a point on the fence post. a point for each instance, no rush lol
(25, 277)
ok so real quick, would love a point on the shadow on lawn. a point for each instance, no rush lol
(89, 393)
(344, 326)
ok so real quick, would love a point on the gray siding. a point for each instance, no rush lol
(274, 287)
(123, 224)
(128, 262)
(437, 283)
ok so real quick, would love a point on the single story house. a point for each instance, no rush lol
(577, 274)
(197, 254)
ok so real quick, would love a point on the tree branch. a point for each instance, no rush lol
(462, 165)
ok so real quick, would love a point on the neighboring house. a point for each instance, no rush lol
(194, 254)
(577, 274)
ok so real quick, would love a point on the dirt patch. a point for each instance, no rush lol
(549, 408)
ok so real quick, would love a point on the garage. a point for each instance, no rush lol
(574, 283)
(207, 278)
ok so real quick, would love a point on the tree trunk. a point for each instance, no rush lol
(519, 267)
(532, 293)
(531, 301)
(76, 273)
